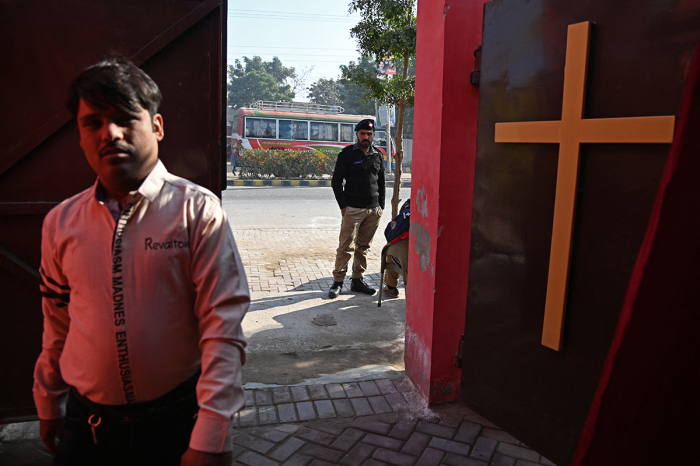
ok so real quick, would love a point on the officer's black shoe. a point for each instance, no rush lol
(359, 284)
(335, 290)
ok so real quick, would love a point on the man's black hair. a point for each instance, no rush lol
(115, 82)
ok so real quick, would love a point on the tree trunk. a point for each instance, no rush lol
(398, 160)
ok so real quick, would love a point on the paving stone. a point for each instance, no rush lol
(449, 445)
(518, 452)
(253, 443)
(499, 435)
(263, 397)
(373, 462)
(468, 432)
(403, 384)
(502, 460)
(386, 386)
(272, 435)
(267, 415)
(249, 398)
(525, 463)
(434, 429)
(379, 404)
(322, 453)
(546, 462)
(452, 421)
(361, 406)
(416, 444)
(403, 429)
(236, 450)
(343, 408)
(325, 409)
(248, 417)
(335, 390)
(357, 455)
(347, 439)
(287, 449)
(306, 411)
(287, 413)
(298, 459)
(253, 459)
(372, 426)
(299, 394)
(430, 457)
(281, 395)
(393, 457)
(383, 442)
(352, 390)
(289, 429)
(484, 448)
(315, 436)
(369, 388)
(459, 460)
(395, 400)
(321, 463)
(318, 392)
(334, 427)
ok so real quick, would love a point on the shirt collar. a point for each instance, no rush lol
(371, 150)
(149, 189)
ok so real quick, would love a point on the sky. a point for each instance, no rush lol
(302, 33)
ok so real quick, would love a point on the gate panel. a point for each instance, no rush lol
(179, 43)
(638, 60)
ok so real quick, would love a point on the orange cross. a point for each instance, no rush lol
(570, 133)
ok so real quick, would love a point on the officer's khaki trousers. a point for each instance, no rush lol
(356, 232)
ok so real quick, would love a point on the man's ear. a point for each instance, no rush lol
(158, 128)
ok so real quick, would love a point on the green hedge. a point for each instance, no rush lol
(268, 163)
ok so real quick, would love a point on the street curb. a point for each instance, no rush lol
(315, 183)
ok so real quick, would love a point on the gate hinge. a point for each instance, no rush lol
(459, 355)
(475, 77)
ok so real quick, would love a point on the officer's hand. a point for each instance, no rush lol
(50, 430)
(202, 458)
(342, 211)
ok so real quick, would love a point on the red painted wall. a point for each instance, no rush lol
(445, 123)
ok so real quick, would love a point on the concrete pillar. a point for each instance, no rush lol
(445, 125)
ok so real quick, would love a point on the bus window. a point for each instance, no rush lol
(324, 131)
(290, 129)
(260, 128)
(346, 133)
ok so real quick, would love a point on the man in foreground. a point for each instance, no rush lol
(143, 296)
(359, 187)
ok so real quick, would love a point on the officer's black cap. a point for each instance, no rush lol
(367, 123)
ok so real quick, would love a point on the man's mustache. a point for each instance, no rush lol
(116, 146)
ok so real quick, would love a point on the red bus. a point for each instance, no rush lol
(298, 126)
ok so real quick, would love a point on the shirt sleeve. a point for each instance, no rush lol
(338, 176)
(381, 183)
(55, 291)
(222, 301)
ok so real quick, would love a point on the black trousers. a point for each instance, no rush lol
(153, 433)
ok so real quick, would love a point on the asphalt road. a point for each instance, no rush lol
(287, 207)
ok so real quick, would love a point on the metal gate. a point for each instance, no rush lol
(180, 44)
(638, 58)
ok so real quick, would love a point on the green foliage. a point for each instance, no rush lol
(268, 163)
(354, 97)
(326, 92)
(255, 79)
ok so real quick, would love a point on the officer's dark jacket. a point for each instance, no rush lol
(364, 178)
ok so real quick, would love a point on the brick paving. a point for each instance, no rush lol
(355, 423)
(291, 261)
